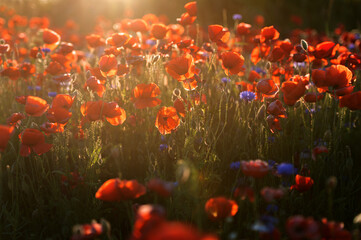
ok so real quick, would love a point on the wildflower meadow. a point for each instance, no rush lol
(164, 127)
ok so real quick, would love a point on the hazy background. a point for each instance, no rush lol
(315, 13)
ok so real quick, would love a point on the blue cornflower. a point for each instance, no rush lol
(235, 165)
(45, 50)
(259, 70)
(272, 208)
(237, 16)
(226, 80)
(247, 95)
(286, 169)
(52, 94)
(151, 42)
(163, 147)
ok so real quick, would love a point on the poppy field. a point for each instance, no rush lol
(159, 128)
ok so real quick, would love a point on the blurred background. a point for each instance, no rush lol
(283, 14)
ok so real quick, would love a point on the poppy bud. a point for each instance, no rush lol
(88, 74)
(304, 45)
(176, 92)
(268, 65)
(39, 55)
(328, 135)
(2, 41)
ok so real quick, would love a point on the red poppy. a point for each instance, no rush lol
(50, 128)
(5, 134)
(123, 69)
(115, 190)
(11, 72)
(218, 34)
(220, 208)
(180, 105)
(108, 65)
(243, 28)
(33, 139)
(94, 111)
(158, 30)
(144, 95)
(303, 184)
(181, 68)
(58, 115)
(312, 97)
(269, 33)
(95, 85)
(186, 19)
(4, 48)
(15, 119)
(94, 41)
(253, 76)
(351, 101)
(87, 231)
(138, 25)
(191, 8)
(274, 123)
(160, 187)
(51, 39)
(118, 39)
(63, 101)
(324, 49)
(255, 168)
(301, 228)
(294, 89)
(271, 194)
(167, 120)
(55, 68)
(334, 231)
(35, 106)
(232, 63)
(267, 87)
(276, 109)
(277, 54)
(336, 76)
(318, 150)
(244, 192)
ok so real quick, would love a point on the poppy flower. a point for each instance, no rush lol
(294, 89)
(243, 28)
(277, 54)
(255, 168)
(301, 228)
(244, 192)
(144, 95)
(51, 128)
(232, 63)
(4, 48)
(115, 190)
(94, 41)
(267, 87)
(324, 49)
(87, 231)
(186, 19)
(218, 34)
(312, 97)
(55, 68)
(11, 72)
(118, 39)
(94, 111)
(123, 69)
(108, 65)
(271, 194)
(181, 68)
(191, 8)
(138, 25)
(351, 101)
(160, 187)
(303, 184)
(33, 139)
(334, 231)
(273, 123)
(276, 109)
(269, 33)
(58, 115)
(172, 231)
(63, 101)
(15, 119)
(158, 30)
(51, 39)
(95, 85)
(5, 134)
(167, 120)
(180, 105)
(35, 106)
(318, 150)
(336, 76)
(220, 208)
